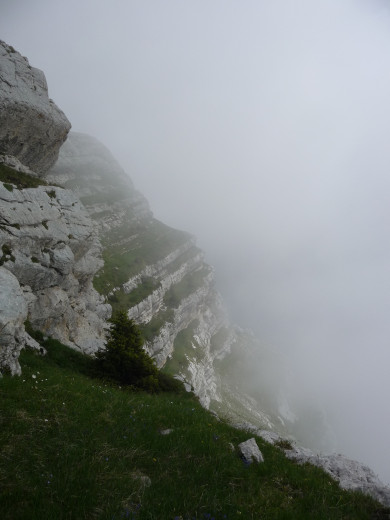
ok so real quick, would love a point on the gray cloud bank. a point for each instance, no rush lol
(261, 127)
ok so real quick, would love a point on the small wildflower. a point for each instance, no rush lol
(34, 376)
(154, 460)
(46, 420)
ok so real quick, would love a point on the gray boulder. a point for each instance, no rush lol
(250, 451)
(32, 127)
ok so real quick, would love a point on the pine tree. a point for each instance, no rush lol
(124, 359)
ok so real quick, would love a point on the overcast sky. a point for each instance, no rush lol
(263, 128)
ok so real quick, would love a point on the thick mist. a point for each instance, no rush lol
(262, 128)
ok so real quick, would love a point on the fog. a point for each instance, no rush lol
(263, 128)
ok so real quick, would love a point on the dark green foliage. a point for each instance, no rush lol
(8, 187)
(124, 360)
(167, 383)
(7, 254)
(36, 334)
(52, 194)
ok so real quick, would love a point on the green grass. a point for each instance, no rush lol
(21, 180)
(74, 448)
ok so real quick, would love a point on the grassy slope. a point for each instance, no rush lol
(73, 448)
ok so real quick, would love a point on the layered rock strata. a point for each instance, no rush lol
(156, 273)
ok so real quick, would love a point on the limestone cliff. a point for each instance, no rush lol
(83, 239)
(50, 249)
(154, 272)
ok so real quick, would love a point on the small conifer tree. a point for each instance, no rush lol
(124, 359)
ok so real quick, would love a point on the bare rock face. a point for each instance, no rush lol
(13, 313)
(32, 127)
(50, 246)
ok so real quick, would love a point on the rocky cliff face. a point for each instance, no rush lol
(89, 230)
(155, 273)
(32, 127)
(50, 249)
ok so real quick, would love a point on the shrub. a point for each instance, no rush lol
(124, 359)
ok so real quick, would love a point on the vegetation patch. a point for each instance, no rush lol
(284, 444)
(73, 447)
(51, 194)
(19, 179)
(189, 284)
(151, 330)
(129, 250)
(183, 349)
(7, 254)
(120, 301)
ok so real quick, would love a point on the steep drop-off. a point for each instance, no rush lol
(78, 240)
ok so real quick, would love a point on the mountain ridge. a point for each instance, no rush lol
(85, 241)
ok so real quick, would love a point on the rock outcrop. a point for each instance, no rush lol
(50, 245)
(350, 474)
(32, 127)
(13, 313)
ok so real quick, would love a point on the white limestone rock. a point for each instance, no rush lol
(13, 314)
(51, 246)
(250, 451)
(32, 127)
